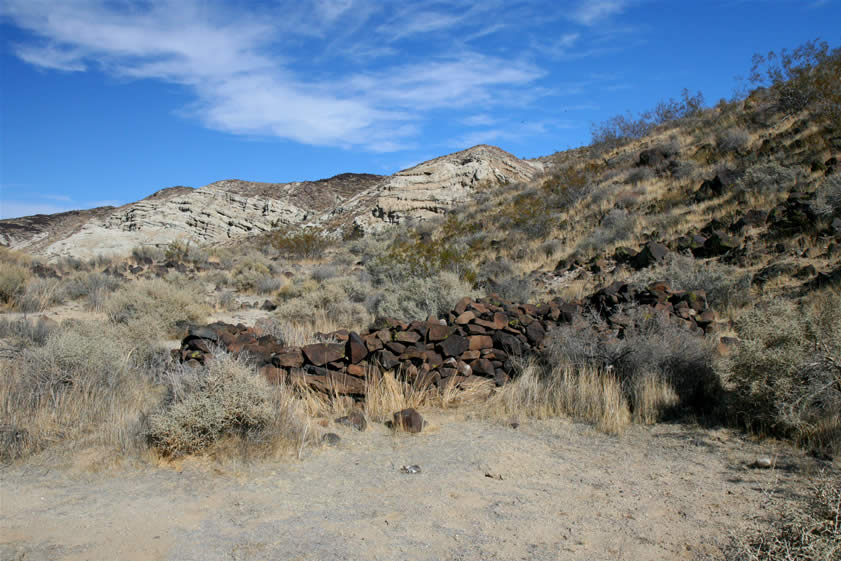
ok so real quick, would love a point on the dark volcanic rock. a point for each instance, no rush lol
(408, 420)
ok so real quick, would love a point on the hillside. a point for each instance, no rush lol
(230, 209)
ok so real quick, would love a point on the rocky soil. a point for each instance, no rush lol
(545, 490)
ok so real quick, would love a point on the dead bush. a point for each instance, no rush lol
(806, 530)
(786, 372)
(827, 201)
(732, 140)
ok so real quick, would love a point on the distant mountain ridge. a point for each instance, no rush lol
(234, 208)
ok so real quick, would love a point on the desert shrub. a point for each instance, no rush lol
(786, 372)
(568, 185)
(652, 347)
(827, 201)
(185, 252)
(13, 279)
(228, 397)
(302, 244)
(323, 272)
(732, 140)
(640, 175)
(768, 178)
(616, 226)
(157, 302)
(30, 333)
(82, 379)
(724, 285)
(268, 284)
(338, 299)
(530, 213)
(93, 286)
(147, 254)
(249, 273)
(414, 254)
(419, 297)
(682, 169)
(39, 294)
(808, 76)
(622, 128)
(806, 529)
(551, 248)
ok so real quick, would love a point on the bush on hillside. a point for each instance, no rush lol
(786, 372)
(827, 201)
(616, 226)
(732, 140)
(13, 280)
(725, 286)
(302, 244)
(768, 178)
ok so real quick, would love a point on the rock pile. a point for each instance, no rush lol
(478, 341)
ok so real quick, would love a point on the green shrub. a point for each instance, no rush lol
(786, 372)
(303, 244)
(228, 397)
(248, 274)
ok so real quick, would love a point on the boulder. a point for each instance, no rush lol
(320, 354)
(408, 420)
(355, 420)
(355, 349)
(453, 346)
(291, 358)
(651, 253)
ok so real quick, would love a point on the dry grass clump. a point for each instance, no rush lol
(786, 373)
(80, 381)
(157, 302)
(414, 297)
(653, 351)
(806, 531)
(587, 394)
(13, 278)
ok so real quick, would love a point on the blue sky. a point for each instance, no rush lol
(107, 101)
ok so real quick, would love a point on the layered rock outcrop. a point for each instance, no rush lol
(233, 208)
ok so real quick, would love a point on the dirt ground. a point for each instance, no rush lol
(486, 491)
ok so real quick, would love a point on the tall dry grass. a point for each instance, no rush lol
(586, 394)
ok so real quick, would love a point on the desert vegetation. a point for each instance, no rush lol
(686, 266)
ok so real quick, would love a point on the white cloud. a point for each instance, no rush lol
(481, 120)
(590, 12)
(253, 73)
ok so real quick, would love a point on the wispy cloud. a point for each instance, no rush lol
(248, 70)
(327, 73)
(590, 12)
(15, 209)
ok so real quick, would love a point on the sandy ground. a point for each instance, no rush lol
(546, 490)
